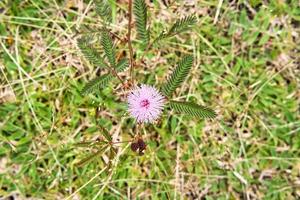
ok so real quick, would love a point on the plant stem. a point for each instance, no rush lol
(113, 71)
(147, 50)
(129, 39)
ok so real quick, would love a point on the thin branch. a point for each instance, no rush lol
(147, 50)
(129, 39)
(113, 71)
(116, 36)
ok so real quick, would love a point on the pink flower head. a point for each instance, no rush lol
(145, 103)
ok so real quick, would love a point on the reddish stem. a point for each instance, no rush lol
(129, 39)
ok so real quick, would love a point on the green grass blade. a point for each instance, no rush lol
(105, 133)
(91, 157)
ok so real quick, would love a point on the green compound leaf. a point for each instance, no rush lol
(97, 83)
(108, 47)
(140, 12)
(90, 53)
(103, 9)
(122, 65)
(192, 109)
(178, 75)
(102, 81)
(182, 25)
(179, 26)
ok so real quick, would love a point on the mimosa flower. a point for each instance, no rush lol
(145, 103)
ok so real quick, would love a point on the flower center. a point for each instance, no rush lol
(145, 103)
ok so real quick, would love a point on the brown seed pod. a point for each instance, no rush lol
(141, 144)
(134, 146)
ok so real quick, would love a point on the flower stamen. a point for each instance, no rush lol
(145, 103)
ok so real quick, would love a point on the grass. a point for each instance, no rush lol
(246, 68)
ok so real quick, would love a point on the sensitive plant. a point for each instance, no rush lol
(145, 103)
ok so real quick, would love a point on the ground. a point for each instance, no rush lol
(246, 68)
